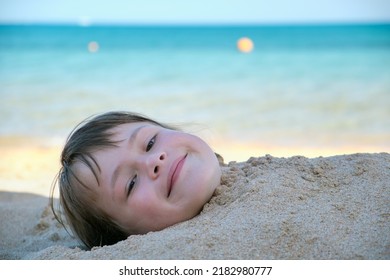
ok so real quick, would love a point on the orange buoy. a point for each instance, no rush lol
(245, 45)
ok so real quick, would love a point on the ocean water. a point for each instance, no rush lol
(302, 86)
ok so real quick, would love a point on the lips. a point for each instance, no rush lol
(174, 172)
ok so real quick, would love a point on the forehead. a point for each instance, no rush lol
(86, 172)
(126, 130)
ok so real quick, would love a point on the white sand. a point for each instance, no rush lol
(267, 208)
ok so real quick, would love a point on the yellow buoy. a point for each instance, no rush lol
(245, 45)
(93, 47)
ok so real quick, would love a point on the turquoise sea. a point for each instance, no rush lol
(314, 86)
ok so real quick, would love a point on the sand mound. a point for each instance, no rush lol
(266, 208)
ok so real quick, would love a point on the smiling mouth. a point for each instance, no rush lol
(174, 172)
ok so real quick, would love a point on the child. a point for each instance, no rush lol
(123, 173)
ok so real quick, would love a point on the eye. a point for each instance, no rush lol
(151, 143)
(131, 185)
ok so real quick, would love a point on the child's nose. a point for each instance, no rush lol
(154, 164)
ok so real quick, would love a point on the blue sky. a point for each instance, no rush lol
(194, 12)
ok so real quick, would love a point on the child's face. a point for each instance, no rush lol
(155, 178)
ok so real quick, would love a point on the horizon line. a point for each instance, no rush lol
(195, 24)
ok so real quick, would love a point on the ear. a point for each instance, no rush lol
(220, 159)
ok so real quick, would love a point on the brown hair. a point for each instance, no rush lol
(77, 200)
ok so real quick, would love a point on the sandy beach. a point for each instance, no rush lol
(267, 207)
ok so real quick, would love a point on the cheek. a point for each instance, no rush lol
(151, 215)
(144, 203)
(193, 144)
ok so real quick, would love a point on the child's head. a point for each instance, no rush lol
(124, 174)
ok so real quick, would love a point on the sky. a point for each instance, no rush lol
(193, 12)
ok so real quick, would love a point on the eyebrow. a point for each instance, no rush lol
(131, 139)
